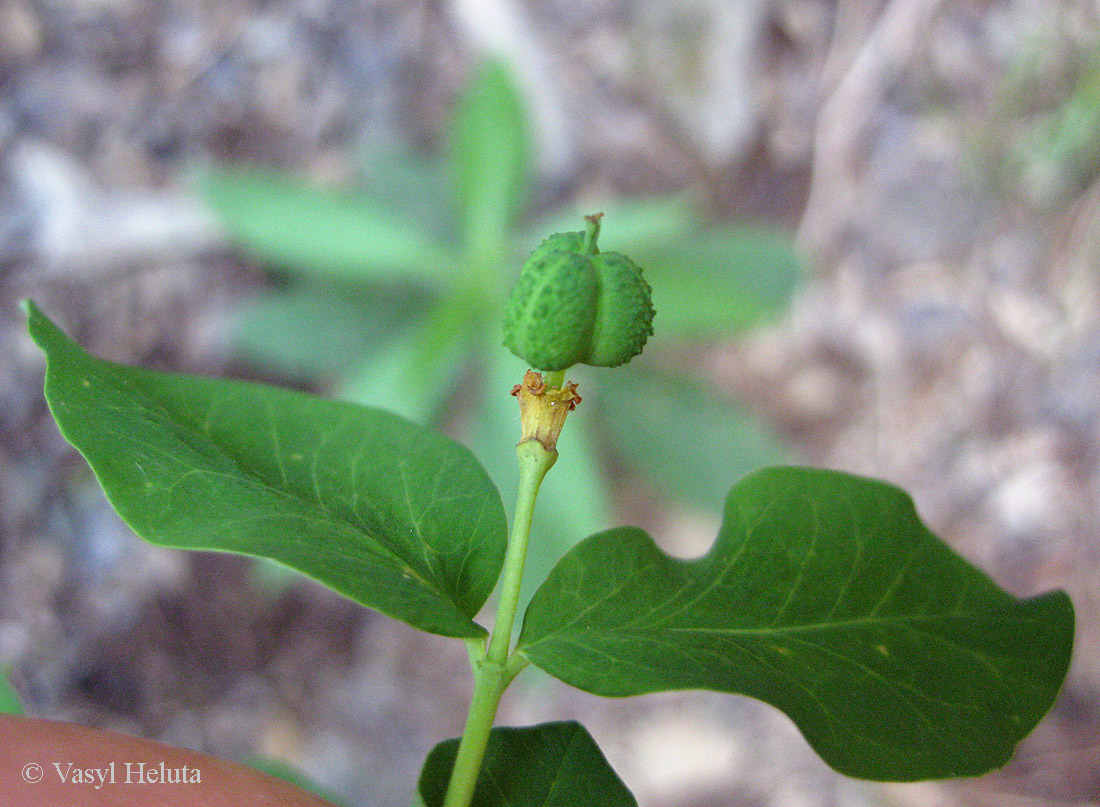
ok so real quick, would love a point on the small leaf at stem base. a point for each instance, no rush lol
(550, 765)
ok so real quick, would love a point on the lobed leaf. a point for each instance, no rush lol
(825, 596)
(550, 765)
(391, 514)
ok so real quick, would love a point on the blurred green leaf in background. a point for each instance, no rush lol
(392, 291)
(10, 702)
(1042, 136)
(288, 773)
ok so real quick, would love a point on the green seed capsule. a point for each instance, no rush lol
(576, 305)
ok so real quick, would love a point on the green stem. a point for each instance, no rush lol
(496, 669)
(488, 687)
(591, 233)
(534, 461)
(475, 649)
(516, 665)
(554, 379)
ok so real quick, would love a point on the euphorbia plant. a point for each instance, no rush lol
(823, 594)
(408, 263)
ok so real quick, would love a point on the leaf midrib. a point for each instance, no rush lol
(767, 630)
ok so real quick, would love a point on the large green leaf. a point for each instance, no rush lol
(827, 597)
(318, 232)
(682, 437)
(389, 513)
(550, 765)
(491, 155)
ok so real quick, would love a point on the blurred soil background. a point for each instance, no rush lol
(939, 162)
